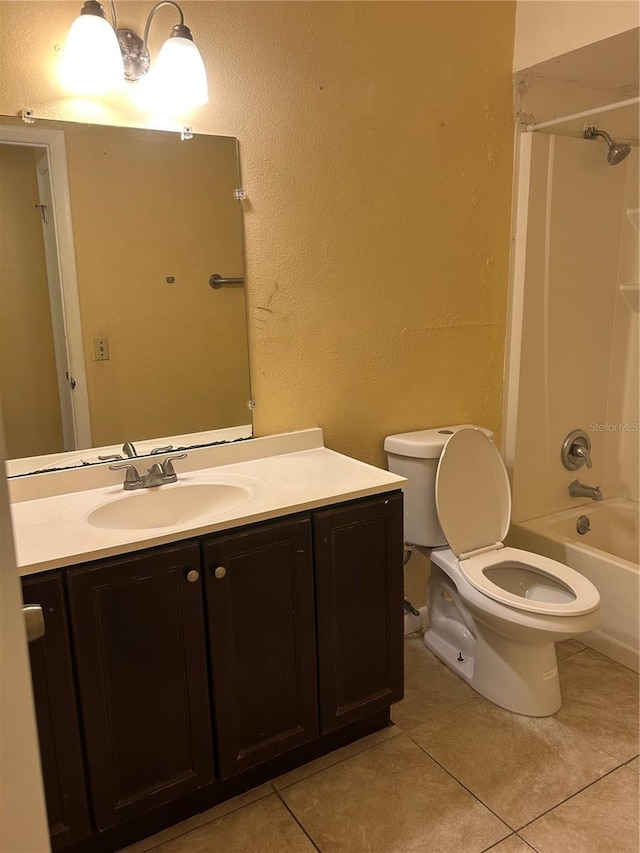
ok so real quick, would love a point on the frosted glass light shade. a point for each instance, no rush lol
(91, 61)
(179, 76)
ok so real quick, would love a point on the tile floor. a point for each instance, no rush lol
(454, 774)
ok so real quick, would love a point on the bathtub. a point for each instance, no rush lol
(608, 555)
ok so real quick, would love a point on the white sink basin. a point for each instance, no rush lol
(166, 507)
(176, 505)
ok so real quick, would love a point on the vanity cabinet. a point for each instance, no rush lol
(139, 637)
(262, 642)
(359, 594)
(209, 666)
(57, 713)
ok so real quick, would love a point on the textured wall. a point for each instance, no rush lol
(376, 147)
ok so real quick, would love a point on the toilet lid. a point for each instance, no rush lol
(473, 498)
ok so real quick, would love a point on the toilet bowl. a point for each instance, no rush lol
(495, 612)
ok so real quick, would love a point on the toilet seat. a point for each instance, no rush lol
(473, 501)
(584, 597)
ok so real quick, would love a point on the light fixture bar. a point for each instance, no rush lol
(135, 50)
(135, 60)
(98, 55)
(114, 19)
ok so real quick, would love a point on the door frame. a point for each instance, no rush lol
(53, 144)
(515, 311)
(56, 307)
(23, 813)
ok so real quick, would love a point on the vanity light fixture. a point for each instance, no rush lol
(91, 60)
(98, 57)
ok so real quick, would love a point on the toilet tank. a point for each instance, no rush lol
(415, 455)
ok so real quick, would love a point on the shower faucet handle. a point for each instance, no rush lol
(576, 450)
(581, 451)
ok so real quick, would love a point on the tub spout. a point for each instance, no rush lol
(581, 490)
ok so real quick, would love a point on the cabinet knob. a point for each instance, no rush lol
(220, 572)
(193, 575)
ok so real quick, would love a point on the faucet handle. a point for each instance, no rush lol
(132, 478)
(167, 465)
(161, 449)
(576, 450)
(582, 452)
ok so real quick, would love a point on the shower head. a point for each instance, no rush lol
(617, 150)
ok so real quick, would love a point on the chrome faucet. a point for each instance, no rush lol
(158, 475)
(580, 490)
(130, 451)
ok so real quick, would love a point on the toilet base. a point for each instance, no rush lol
(520, 675)
(522, 679)
(448, 652)
(450, 635)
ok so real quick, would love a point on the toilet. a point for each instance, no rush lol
(495, 612)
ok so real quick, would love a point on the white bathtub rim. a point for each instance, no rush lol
(538, 531)
(579, 510)
(541, 527)
(538, 521)
(584, 548)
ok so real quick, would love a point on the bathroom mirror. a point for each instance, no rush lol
(151, 218)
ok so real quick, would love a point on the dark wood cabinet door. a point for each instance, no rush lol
(262, 642)
(138, 630)
(56, 714)
(359, 602)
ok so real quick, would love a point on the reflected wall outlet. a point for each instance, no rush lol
(101, 349)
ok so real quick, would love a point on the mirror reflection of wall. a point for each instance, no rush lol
(153, 218)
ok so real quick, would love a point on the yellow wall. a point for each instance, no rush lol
(376, 146)
(28, 381)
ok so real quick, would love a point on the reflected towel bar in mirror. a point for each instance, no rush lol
(217, 281)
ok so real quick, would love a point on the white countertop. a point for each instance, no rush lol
(51, 531)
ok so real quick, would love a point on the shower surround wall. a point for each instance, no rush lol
(622, 457)
(579, 355)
